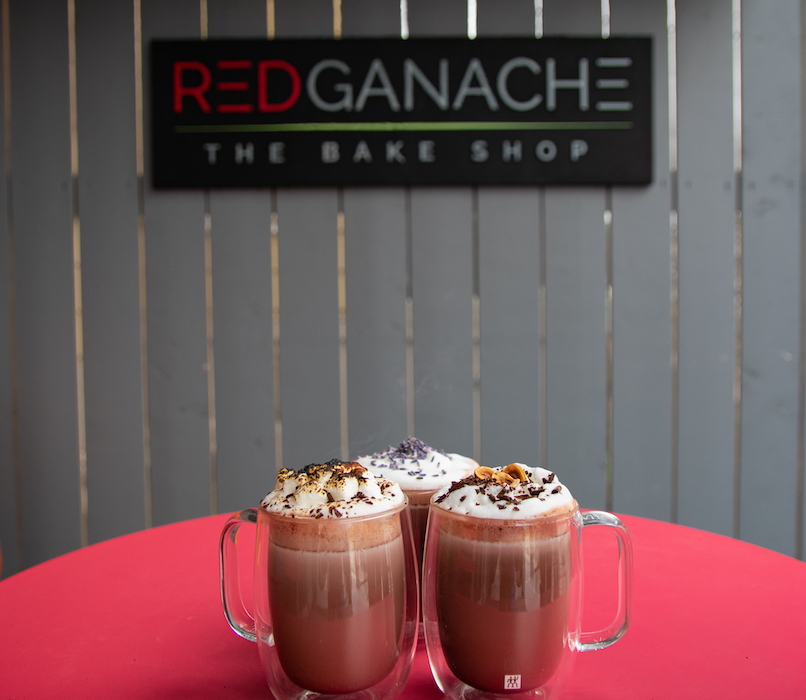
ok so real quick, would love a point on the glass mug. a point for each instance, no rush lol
(335, 603)
(502, 602)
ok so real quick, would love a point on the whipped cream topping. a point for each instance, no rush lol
(418, 467)
(332, 490)
(541, 494)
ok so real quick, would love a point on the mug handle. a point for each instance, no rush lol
(237, 615)
(589, 641)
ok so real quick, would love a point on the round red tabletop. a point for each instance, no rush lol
(140, 617)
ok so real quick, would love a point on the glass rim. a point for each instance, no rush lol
(350, 519)
(510, 522)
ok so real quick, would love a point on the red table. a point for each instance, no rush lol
(140, 617)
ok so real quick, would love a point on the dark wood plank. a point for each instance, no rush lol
(641, 307)
(242, 313)
(772, 239)
(177, 331)
(45, 312)
(107, 191)
(706, 203)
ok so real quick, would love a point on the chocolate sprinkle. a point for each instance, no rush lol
(503, 494)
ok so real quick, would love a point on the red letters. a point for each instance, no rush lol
(262, 71)
(204, 80)
(196, 91)
(239, 85)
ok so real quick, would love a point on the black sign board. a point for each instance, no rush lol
(246, 113)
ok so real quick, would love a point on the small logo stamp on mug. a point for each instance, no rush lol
(512, 682)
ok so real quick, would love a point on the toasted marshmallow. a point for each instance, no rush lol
(493, 493)
(332, 490)
(418, 467)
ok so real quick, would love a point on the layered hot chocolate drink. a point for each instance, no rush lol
(336, 576)
(420, 471)
(503, 575)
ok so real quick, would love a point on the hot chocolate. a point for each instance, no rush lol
(502, 577)
(420, 470)
(336, 576)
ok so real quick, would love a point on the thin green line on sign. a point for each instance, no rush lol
(398, 126)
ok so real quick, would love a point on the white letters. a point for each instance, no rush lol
(478, 151)
(277, 152)
(393, 153)
(511, 151)
(613, 84)
(212, 149)
(362, 153)
(411, 72)
(552, 84)
(425, 151)
(578, 149)
(546, 151)
(475, 69)
(474, 83)
(376, 69)
(330, 151)
(503, 90)
(346, 102)
(244, 153)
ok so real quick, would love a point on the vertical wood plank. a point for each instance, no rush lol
(243, 346)
(442, 282)
(8, 486)
(506, 17)
(641, 307)
(576, 341)
(509, 289)
(236, 19)
(110, 275)
(771, 246)
(242, 314)
(309, 330)
(577, 17)
(706, 225)
(370, 18)
(509, 259)
(303, 18)
(442, 292)
(444, 18)
(576, 338)
(375, 243)
(376, 317)
(44, 275)
(309, 337)
(177, 354)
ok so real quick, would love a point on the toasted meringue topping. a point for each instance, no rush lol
(334, 489)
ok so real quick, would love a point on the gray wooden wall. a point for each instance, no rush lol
(161, 353)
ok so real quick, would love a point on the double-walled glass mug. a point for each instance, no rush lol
(335, 603)
(502, 599)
